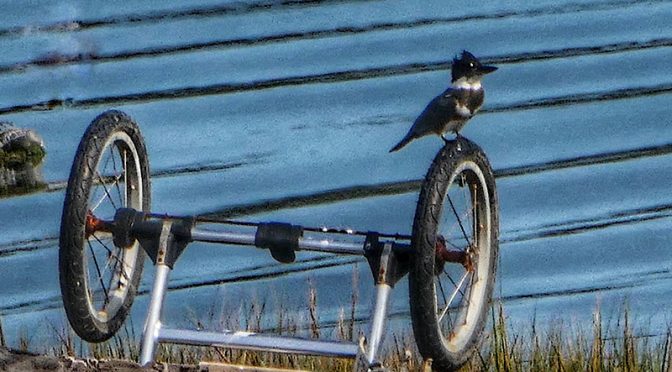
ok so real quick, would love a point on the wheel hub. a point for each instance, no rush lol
(93, 224)
(443, 254)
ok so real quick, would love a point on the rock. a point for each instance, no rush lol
(12, 137)
(18, 361)
(21, 153)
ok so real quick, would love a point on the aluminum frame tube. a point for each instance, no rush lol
(378, 321)
(260, 342)
(150, 333)
(222, 237)
(315, 245)
(331, 246)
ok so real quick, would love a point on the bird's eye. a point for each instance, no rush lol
(471, 64)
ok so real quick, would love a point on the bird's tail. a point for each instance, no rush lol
(409, 137)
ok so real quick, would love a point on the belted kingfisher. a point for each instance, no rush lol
(450, 111)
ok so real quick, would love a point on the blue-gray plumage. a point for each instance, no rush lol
(450, 111)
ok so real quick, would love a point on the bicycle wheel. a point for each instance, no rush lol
(455, 237)
(98, 279)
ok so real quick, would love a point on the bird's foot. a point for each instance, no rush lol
(458, 136)
(446, 140)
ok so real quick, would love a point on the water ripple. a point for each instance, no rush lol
(171, 14)
(57, 59)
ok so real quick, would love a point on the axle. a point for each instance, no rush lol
(281, 239)
(94, 224)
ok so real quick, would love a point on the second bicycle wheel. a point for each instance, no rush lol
(99, 279)
(455, 239)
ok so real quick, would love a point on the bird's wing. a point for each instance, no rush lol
(433, 118)
(436, 114)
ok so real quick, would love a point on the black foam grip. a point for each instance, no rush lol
(282, 239)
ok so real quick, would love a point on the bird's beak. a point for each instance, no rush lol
(484, 70)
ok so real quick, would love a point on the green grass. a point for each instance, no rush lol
(607, 346)
(611, 345)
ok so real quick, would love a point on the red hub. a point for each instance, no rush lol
(443, 254)
(94, 224)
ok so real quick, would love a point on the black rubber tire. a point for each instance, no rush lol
(111, 131)
(468, 159)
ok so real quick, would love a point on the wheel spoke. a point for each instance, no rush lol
(465, 197)
(115, 257)
(100, 277)
(451, 280)
(467, 218)
(101, 273)
(475, 225)
(452, 244)
(105, 196)
(459, 220)
(107, 162)
(452, 297)
(107, 192)
(442, 293)
(126, 180)
(468, 296)
(117, 176)
(95, 171)
(98, 203)
(102, 183)
(457, 225)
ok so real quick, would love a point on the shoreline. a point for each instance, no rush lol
(12, 360)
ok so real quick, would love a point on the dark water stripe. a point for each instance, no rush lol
(332, 261)
(643, 279)
(281, 271)
(254, 159)
(57, 59)
(274, 268)
(625, 217)
(575, 99)
(396, 188)
(333, 77)
(620, 47)
(569, 227)
(52, 59)
(569, 292)
(662, 211)
(214, 11)
(223, 10)
(260, 272)
(25, 246)
(582, 161)
(54, 302)
(587, 227)
(330, 196)
(199, 169)
(275, 271)
(392, 188)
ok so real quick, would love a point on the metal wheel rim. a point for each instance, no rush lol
(119, 185)
(466, 298)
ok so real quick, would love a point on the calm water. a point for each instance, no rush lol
(247, 104)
